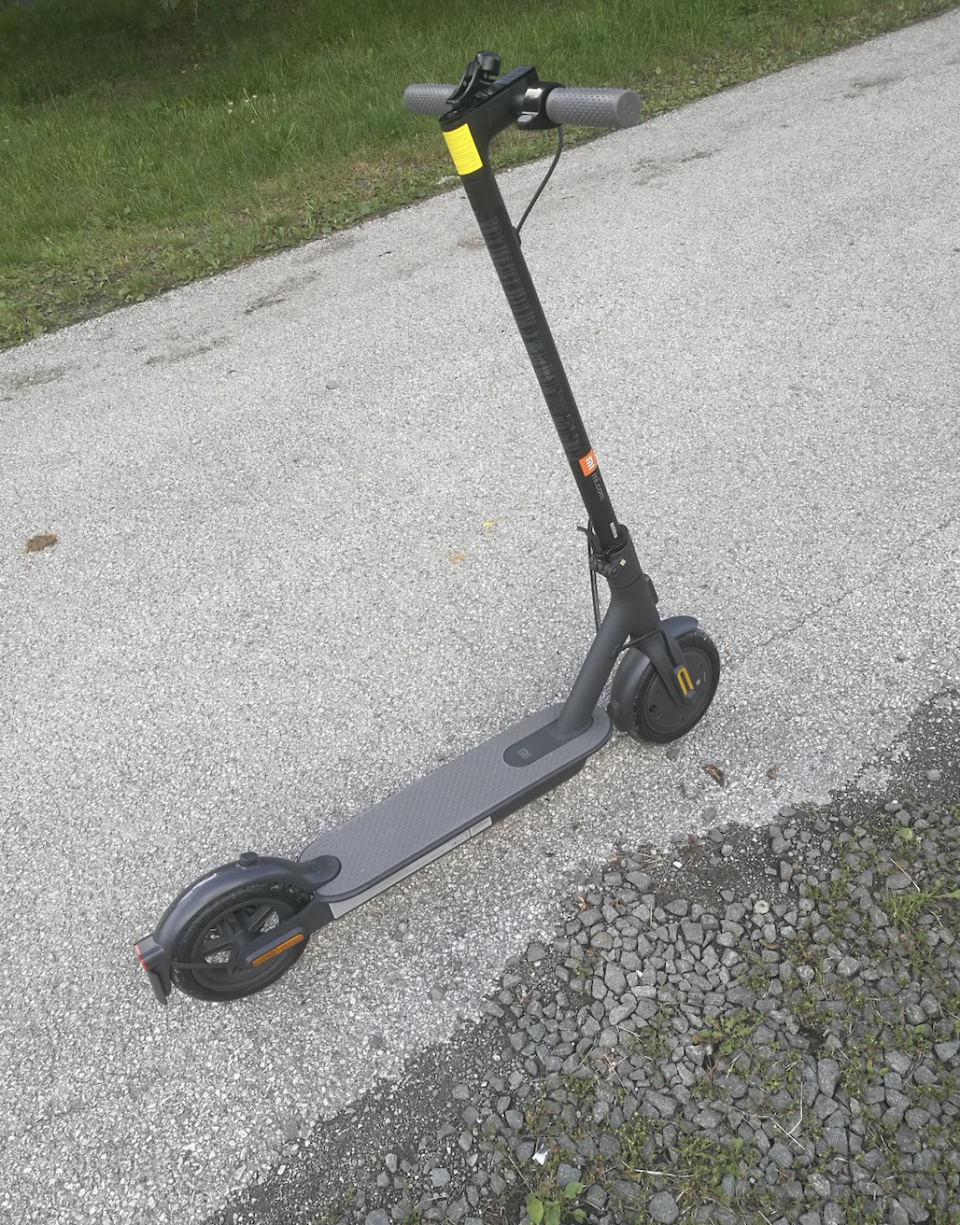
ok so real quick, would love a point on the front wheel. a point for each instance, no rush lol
(204, 962)
(655, 716)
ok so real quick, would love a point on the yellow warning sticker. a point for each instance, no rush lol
(463, 150)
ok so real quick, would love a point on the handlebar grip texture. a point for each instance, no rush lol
(427, 99)
(594, 108)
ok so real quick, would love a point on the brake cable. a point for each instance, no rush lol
(546, 179)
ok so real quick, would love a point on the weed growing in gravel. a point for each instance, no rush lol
(754, 976)
(337, 1209)
(696, 1168)
(728, 1033)
(556, 1210)
(855, 1211)
(904, 908)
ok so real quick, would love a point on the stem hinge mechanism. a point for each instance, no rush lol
(617, 563)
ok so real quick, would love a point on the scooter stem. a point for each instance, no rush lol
(468, 130)
(501, 240)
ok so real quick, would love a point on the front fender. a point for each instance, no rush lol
(630, 673)
(155, 951)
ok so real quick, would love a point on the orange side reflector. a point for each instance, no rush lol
(280, 948)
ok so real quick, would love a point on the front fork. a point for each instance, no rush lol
(630, 620)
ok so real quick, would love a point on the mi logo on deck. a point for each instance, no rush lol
(588, 464)
(684, 681)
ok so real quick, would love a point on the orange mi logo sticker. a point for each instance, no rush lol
(588, 464)
(684, 681)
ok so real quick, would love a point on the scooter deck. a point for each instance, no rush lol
(394, 838)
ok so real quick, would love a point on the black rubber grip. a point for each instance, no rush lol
(427, 99)
(594, 108)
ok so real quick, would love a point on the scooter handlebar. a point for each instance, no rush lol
(427, 99)
(594, 108)
(590, 108)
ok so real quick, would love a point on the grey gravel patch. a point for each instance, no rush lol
(663, 1208)
(795, 1063)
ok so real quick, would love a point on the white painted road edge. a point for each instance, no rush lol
(311, 517)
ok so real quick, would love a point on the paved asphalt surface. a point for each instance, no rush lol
(315, 535)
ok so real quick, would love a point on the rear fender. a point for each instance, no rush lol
(155, 950)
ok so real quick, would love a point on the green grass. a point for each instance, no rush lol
(142, 148)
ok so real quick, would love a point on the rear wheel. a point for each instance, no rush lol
(205, 954)
(656, 717)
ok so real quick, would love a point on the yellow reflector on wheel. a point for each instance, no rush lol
(278, 949)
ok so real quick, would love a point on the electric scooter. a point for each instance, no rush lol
(242, 926)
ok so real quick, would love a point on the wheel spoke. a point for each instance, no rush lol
(217, 944)
(219, 940)
(256, 921)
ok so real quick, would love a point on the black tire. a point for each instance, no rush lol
(201, 955)
(655, 716)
